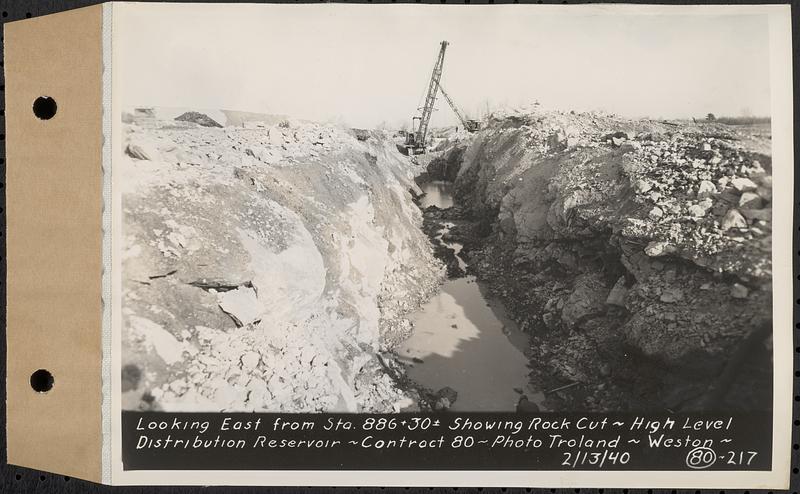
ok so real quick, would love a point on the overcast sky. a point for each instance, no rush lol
(368, 64)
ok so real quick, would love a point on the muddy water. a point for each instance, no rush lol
(463, 339)
(437, 193)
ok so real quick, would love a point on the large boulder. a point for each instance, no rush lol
(587, 300)
(199, 118)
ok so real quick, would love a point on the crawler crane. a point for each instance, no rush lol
(417, 139)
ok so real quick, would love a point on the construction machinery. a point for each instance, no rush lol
(468, 124)
(417, 139)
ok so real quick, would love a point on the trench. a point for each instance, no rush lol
(463, 339)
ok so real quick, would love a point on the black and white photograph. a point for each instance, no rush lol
(416, 224)
(400, 245)
(333, 209)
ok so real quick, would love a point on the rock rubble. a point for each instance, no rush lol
(635, 252)
(266, 267)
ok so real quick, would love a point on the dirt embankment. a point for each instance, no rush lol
(636, 254)
(266, 267)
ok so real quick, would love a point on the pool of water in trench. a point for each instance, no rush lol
(463, 338)
(437, 193)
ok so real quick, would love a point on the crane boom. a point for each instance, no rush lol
(464, 122)
(430, 99)
(417, 139)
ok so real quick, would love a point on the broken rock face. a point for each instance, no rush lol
(668, 226)
(242, 305)
(265, 266)
(587, 299)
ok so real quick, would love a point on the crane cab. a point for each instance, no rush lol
(472, 125)
(413, 144)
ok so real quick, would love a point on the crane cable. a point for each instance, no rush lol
(461, 118)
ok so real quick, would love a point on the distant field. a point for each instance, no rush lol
(743, 120)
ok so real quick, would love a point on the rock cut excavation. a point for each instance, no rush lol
(528, 261)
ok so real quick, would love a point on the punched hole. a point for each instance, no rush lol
(45, 107)
(42, 381)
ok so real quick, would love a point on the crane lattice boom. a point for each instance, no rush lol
(467, 124)
(430, 99)
(418, 138)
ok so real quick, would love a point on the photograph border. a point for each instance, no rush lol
(780, 77)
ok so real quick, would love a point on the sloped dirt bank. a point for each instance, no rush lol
(636, 254)
(267, 267)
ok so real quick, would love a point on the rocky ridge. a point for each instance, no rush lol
(636, 253)
(266, 267)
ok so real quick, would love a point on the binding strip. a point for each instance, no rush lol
(106, 248)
